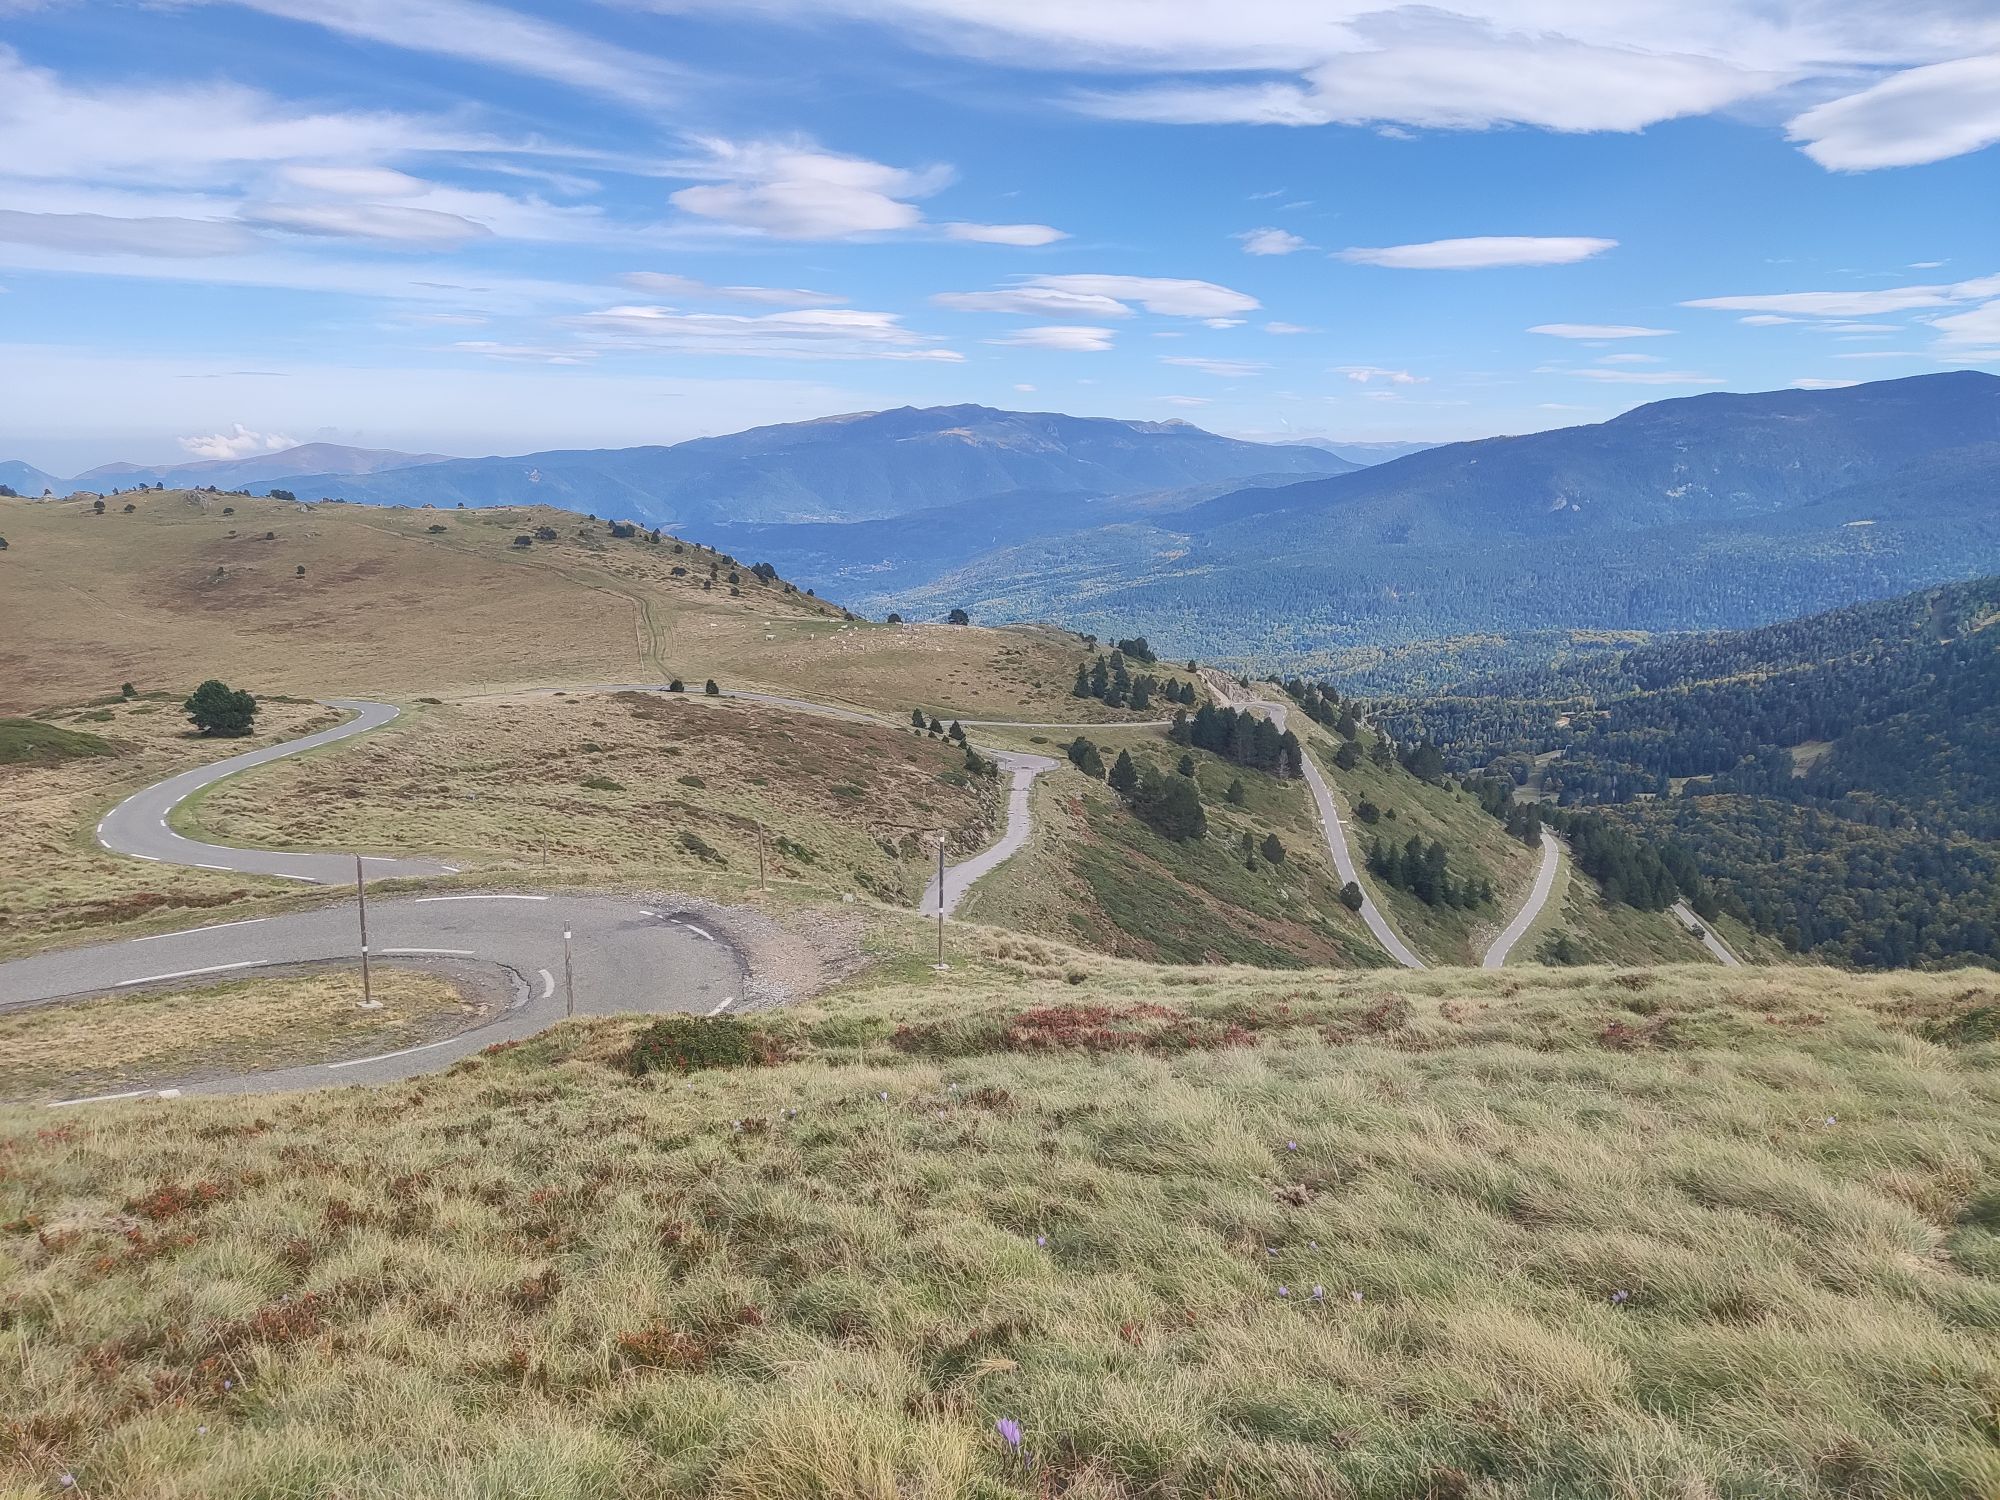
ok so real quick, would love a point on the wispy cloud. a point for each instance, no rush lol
(1270, 241)
(1480, 252)
(805, 333)
(1369, 374)
(1026, 235)
(493, 36)
(238, 442)
(1230, 368)
(1599, 331)
(1078, 339)
(1919, 115)
(666, 284)
(1104, 296)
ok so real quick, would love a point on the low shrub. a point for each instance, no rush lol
(689, 1044)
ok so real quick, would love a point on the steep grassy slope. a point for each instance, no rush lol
(192, 585)
(1097, 876)
(1670, 1234)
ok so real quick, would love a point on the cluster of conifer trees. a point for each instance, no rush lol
(1109, 680)
(1241, 738)
(1423, 870)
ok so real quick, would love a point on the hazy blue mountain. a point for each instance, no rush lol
(1365, 454)
(26, 479)
(865, 466)
(1718, 511)
(261, 469)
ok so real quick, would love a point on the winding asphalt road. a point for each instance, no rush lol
(626, 958)
(1706, 933)
(138, 825)
(1545, 882)
(1334, 831)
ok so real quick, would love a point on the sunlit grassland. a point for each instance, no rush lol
(1674, 1233)
(57, 880)
(1095, 875)
(140, 1037)
(626, 787)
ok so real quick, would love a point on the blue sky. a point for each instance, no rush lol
(465, 227)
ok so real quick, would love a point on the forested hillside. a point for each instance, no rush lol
(1834, 778)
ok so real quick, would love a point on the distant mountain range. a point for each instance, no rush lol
(861, 467)
(1716, 511)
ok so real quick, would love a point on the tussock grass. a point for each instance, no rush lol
(1061, 1190)
(140, 1037)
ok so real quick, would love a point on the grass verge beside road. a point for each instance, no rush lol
(1206, 1233)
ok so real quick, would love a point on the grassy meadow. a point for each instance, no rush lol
(1199, 1232)
(1096, 876)
(139, 1038)
(56, 880)
(407, 602)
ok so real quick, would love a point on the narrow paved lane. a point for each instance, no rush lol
(1545, 882)
(138, 825)
(1334, 831)
(1706, 933)
(626, 958)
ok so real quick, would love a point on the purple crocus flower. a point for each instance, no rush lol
(1291, 1145)
(1284, 1291)
(1358, 1298)
(1620, 1298)
(1319, 1293)
(1010, 1433)
(1042, 1241)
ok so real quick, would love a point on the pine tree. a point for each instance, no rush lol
(1273, 850)
(1186, 766)
(1124, 777)
(1234, 796)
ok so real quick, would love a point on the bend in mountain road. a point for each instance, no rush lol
(1331, 827)
(138, 826)
(1545, 883)
(624, 958)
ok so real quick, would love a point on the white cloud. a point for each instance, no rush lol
(1480, 252)
(494, 36)
(393, 223)
(666, 284)
(238, 442)
(103, 234)
(805, 333)
(1071, 339)
(1814, 383)
(181, 134)
(1186, 400)
(538, 354)
(1026, 390)
(1034, 301)
(1569, 65)
(1270, 241)
(1764, 320)
(1879, 354)
(1369, 374)
(1919, 115)
(1232, 368)
(1168, 296)
(1980, 325)
(1599, 331)
(356, 182)
(1925, 265)
(1088, 296)
(1004, 234)
(1286, 328)
(796, 191)
(1788, 306)
(1630, 359)
(1222, 322)
(1649, 377)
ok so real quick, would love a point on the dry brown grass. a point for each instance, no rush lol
(54, 876)
(617, 785)
(178, 591)
(1646, 1235)
(144, 1038)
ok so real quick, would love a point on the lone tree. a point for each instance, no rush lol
(217, 708)
(1273, 850)
(677, 686)
(1350, 896)
(712, 690)
(958, 617)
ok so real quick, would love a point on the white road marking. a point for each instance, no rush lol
(251, 963)
(191, 931)
(421, 900)
(355, 1062)
(98, 1098)
(644, 913)
(548, 983)
(200, 866)
(698, 931)
(727, 1001)
(445, 952)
